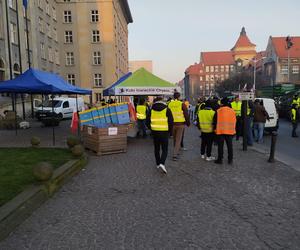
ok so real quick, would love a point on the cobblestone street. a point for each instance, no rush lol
(123, 202)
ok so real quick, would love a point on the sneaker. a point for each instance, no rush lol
(175, 158)
(183, 149)
(163, 168)
(211, 158)
(158, 166)
(202, 156)
(218, 161)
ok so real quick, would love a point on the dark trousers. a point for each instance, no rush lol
(206, 143)
(238, 127)
(181, 144)
(142, 127)
(295, 125)
(161, 141)
(228, 140)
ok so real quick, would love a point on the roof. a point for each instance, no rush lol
(195, 69)
(279, 44)
(217, 58)
(243, 41)
(127, 11)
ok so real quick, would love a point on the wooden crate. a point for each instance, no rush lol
(103, 141)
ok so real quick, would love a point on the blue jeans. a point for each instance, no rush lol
(258, 131)
(249, 123)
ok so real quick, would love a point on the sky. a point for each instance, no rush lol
(172, 33)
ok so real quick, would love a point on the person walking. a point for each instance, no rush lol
(225, 121)
(181, 118)
(249, 121)
(259, 120)
(236, 105)
(205, 124)
(141, 114)
(160, 121)
(294, 119)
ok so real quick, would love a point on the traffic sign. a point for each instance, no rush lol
(245, 96)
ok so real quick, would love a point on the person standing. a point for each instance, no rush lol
(181, 118)
(225, 121)
(294, 119)
(249, 121)
(236, 105)
(141, 114)
(205, 123)
(260, 118)
(160, 121)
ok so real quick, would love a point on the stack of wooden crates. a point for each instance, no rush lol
(105, 141)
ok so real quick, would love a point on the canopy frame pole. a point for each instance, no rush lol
(16, 125)
(77, 111)
(53, 132)
(32, 112)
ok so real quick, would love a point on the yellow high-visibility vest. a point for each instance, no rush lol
(237, 107)
(206, 117)
(294, 112)
(159, 120)
(141, 112)
(176, 108)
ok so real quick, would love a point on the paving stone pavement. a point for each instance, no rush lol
(123, 202)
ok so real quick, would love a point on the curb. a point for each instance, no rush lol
(14, 212)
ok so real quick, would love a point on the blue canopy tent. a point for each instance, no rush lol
(111, 89)
(34, 81)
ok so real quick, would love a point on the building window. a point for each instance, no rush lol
(97, 80)
(97, 58)
(43, 52)
(207, 68)
(216, 68)
(222, 77)
(201, 78)
(96, 36)
(222, 68)
(284, 70)
(67, 16)
(69, 58)
(231, 68)
(56, 57)
(50, 54)
(16, 70)
(68, 36)
(54, 13)
(212, 78)
(2, 70)
(11, 4)
(98, 97)
(211, 68)
(55, 34)
(295, 69)
(41, 26)
(94, 16)
(207, 78)
(13, 33)
(71, 79)
(40, 4)
(48, 30)
(47, 8)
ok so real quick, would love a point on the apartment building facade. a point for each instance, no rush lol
(42, 34)
(93, 38)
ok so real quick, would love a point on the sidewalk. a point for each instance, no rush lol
(123, 202)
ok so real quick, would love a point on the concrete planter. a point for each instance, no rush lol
(14, 212)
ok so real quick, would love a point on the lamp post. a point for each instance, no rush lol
(289, 45)
(254, 69)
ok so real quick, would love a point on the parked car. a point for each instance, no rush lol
(273, 122)
(63, 108)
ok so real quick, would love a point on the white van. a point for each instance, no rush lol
(63, 107)
(269, 104)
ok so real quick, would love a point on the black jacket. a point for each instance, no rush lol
(159, 106)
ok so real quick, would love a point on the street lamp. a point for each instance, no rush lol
(289, 45)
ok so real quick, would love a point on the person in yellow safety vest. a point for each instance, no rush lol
(181, 118)
(249, 121)
(236, 105)
(141, 114)
(205, 123)
(160, 121)
(296, 101)
(294, 119)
